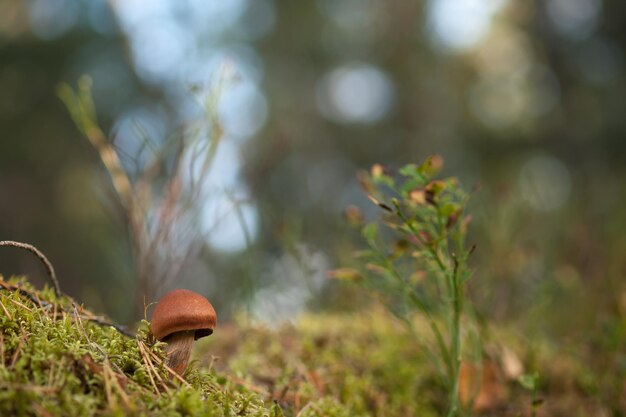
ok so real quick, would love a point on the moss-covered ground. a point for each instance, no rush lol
(370, 365)
(59, 359)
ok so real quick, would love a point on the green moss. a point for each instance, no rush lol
(353, 364)
(367, 364)
(56, 361)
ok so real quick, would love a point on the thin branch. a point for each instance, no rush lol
(42, 258)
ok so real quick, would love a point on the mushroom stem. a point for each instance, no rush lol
(179, 350)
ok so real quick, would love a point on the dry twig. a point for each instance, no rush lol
(42, 258)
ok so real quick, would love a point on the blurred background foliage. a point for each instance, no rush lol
(525, 98)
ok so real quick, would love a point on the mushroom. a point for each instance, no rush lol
(181, 317)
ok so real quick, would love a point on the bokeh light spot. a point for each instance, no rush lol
(355, 93)
(514, 99)
(136, 134)
(242, 110)
(259, 19)
(294, 284)
(349, 14)
(575, 19)
(212, 16)
(227, 220)
(51, 19)
(160, 50)
(100, 17)
(498, 102)
(230, 225)
(504, 51)
(600, 60)
(135, 13)
(460, 24)
(545, 183)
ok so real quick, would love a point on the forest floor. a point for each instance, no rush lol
(59, 359)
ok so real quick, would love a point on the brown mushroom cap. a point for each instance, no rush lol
(183, 310)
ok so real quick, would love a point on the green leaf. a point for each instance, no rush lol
(409, 170)
(380, 176)
(367, 255)
(529, 381)
(399, 247)
(385, 180)
(465, 276)
(436, 187)
(276, 411)
(448, 209)
(370, 233)
(412, 184)
(365, 181)
(349, 274)
(432, 166)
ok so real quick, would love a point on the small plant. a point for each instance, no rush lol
(530, 382)
(158, 198)
(417, 257)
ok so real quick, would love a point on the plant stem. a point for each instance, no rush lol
(42, 258)
(453, 360)
(456, 344)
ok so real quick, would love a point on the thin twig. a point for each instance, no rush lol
(160, 361)
(6, 311)
(149, 369)
(42, 258)
(150, 366)
(121, 329)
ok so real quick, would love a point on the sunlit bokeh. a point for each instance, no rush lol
(176, 47)
(351, 15)
(545, 183)
(137, 135)
(243, 110)
(51, 20)
(230, 225)
(355, 93)
(457, 25)
(228, 220)
(298, 278)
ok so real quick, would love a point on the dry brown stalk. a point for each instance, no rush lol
(18, 349)
(17, 303)
(156, 199)
(144, 350)
(160, 362)
(25, 387)
(119, 383)
(41, 411)
(2, 359)
(149, 367)
(8, 314)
